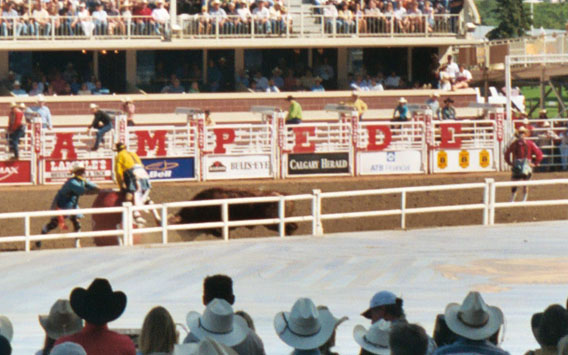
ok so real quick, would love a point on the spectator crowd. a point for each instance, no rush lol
(79, 325)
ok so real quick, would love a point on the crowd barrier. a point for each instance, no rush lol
(272, 149)
(125, 233)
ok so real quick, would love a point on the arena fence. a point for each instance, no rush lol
(125, 232)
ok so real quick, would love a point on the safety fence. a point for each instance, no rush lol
(125, 234)
(272, 149)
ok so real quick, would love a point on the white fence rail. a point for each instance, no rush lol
(318, 200)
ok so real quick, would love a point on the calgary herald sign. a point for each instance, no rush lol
(324, 163)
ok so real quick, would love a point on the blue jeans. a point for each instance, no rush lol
(100, 135)
(14, 140)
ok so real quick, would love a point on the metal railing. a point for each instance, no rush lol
(318, 199)
(310, 22)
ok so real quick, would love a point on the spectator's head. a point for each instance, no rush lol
(16, 84)
(6, 329)
(305, 327)
(98, 304)
(247, 318)
(158, 333)
(402, 101)
(219, 323)
(354, 95)
(408, 339)
(551, 325)
(435, 96)
(375, 340)
(61, 320)
(384, 305)
(119, 146)
(13, 105)
(93, 107)
(218, 286)
(449, 101)
(98, 84)
(330, 343)
(449, 58)
(473, 319)
(215, 4)
(68, 348)
(5, 347)
(40, 100)
(160, 3)
(289, 98)
(442, 334)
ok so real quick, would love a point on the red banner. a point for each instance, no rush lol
(15, 172)
(500, 129)
(37, 136)
(58, 171)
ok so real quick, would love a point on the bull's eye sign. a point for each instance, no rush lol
(442, 159)
(464, 159)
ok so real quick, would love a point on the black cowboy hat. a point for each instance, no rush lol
(98, 304)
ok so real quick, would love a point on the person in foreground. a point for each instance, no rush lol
(99, 305)
(474, 322)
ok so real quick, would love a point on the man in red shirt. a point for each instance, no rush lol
(16, 128)
(99, 305)
(143, 18)
(522, 155)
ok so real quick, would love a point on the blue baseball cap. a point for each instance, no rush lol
(383, 298)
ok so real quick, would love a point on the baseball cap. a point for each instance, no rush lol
(383, 298)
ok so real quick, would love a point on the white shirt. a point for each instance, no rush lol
(261, 14)
(452, 69)
(100, 16)
(160, 15)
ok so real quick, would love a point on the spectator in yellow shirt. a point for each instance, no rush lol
(358, 104)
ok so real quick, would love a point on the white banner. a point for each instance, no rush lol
(401, 162)
(463, 160)
(237, 166)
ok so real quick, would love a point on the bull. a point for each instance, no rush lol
(237, 212)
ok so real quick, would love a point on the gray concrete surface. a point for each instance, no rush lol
(521, 268)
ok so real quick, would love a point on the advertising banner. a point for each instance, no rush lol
(58, 170)
(170, 168)
(323, 163)
(454, 160)
(401, 162)
(237, 166)
(15, 172)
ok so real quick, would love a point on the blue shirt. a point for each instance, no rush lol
(68, 196)
(45, 114)
(403, 112)
(470, 347)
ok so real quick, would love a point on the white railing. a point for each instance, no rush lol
(318, 199)
(248, 138)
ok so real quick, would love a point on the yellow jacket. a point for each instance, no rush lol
(124, 161)
(360, 106)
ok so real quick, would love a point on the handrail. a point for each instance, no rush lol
(317, 198)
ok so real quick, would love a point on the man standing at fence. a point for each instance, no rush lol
(522, 155)
(16, 128)
(67, 198)
(102, 122)
(133, 180)
(129, 109)
(400, 113)
(359, 105)
(42, 111)
(294, 111)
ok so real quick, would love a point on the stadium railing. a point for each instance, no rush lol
(487, 205)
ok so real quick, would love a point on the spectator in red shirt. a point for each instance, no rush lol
(522, 155)
(16, 128)
(99, 305)
(142, 18)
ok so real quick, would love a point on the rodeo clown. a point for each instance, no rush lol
(133, 180)
(67, 198)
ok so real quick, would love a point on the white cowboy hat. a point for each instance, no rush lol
(93, 106)
(376, 339)
(305, 327)
(61, 320)
(77, 166)
(13, 104)
(473, 319)
(6, 329)
(206, 346)
(402, 100)
(218, 322)
(22, 105)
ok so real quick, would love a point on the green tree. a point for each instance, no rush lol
(514, 20)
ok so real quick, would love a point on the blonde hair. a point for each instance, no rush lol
(158, 332)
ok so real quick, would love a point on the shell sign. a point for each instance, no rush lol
(442, 159)
(464, 159)
(484, 158)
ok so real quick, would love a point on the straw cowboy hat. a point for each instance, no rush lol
(76, 168)
(549, 326)
(473, 319)
(98, 304)
(305, 327)
(402, 100)
(13, 104)
(6, 329)
(521, 129)
(207, 346)
(543, 111)
(219, 323)
(61, 320)
(93, 106)
(126, 99)
(376, 339)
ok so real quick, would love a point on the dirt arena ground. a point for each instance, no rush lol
(34, 198)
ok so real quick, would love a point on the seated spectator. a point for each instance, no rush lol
(331, 18)
(100, 20)
(161, 16)
(261, 81)
(278, 18)
(194, 88)
(11, 24)
(58, 84)
(375, 340)
(277, 78)
(448, 111)
(406, 339)
(325, 349)
(393, 81)
(61, 321)
(307, 80)
(84, 20)
(463, 78)
(116, 24)
(317, 85)
(158, 334)
(174, 88)
(17, 89)
(548, 328)
(376, 85)
(99, 89)
(41, 20)
(400, 114)
(305, 328)
(272, 86)
(346, 18)
(84, 90)
(36, 89)
(99, 305)
(261, 16)
(245, 16)
(68, 348)
(218, 297)
(290, 81)
(474, 322)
